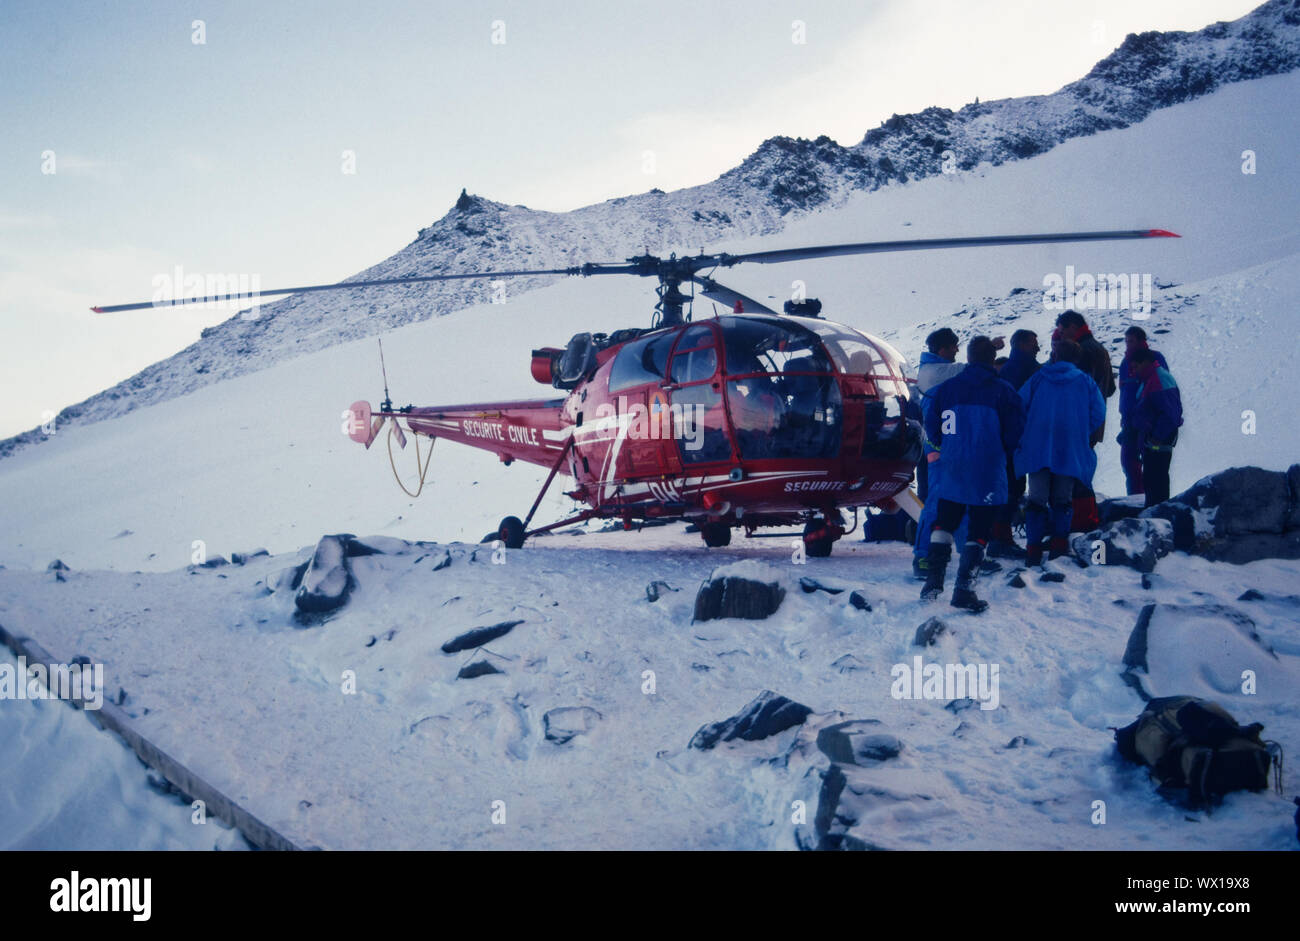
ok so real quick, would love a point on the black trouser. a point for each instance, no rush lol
(1015, 490)
(923, 479)
(981, 519)
(1155, 474)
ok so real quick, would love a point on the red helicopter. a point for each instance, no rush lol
(749, 419)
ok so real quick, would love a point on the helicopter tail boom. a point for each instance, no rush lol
(529, 430)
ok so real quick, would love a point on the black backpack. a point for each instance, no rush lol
(1197, 745)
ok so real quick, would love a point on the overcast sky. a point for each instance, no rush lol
(227, 155)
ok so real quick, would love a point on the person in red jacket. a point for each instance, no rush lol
(1130, 449)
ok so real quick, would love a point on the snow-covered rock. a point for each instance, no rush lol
(1135, 542)
(566, 723)
(327, 580)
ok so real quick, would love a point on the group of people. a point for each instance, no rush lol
(999, 430)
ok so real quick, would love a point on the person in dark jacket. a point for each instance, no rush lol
(1063, 409)
(1130, 451)
(1023, 361)
(1157, 416)
(1020, 365)
(1095, 361)
(975, 421)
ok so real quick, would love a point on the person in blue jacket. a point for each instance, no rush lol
(1020, 365)
(1063, 411)
(1130, 450)
(1157, 416)
(974, 422)
(938, 365)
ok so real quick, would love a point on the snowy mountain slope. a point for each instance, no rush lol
(784, 179)
(70, 784)
(261, 460)
(218, 673)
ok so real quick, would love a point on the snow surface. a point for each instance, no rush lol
(254, 703)
(417, 758)
(71, 785)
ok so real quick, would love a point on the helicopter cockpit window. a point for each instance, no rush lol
(766, 346)
(694, 365)
(789, 404)
(641, 361)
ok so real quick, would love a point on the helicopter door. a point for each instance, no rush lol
(699, 418)
(636, 386)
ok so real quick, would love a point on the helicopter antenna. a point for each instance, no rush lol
(388, 402)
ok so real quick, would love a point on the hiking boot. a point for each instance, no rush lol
(999, 549)
(990, 567)
(920, 567)
(937, 568)
(965, 598)
(963, 593)
(1003, 544)
(1034, 556)
(1059, 546)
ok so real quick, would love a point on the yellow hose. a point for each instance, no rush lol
(423, 470)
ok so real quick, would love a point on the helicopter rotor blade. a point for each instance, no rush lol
(586, 269)
(866, 248)
(725, 295)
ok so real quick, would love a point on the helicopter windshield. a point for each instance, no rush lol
(781, 390)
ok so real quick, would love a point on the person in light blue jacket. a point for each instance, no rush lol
(1064, 409)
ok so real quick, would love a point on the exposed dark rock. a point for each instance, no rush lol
(859, 600)
(928, 633)
(1245, 500)
(1015, 581)
(1052, 577)
(1251, 547)
(1181, 518)
(858, 742)
(1118, 508)
(1293, 485)
(479, 636)
(59, 568)
(735, 597)
(444, 560)
(809, 585)
(766, 715)
(1251, 594)
(475, 669)
(240, 558)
